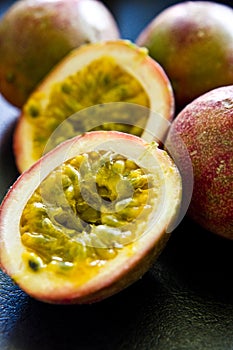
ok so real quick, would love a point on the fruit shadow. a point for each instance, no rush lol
(160, 311)
(101, 326)
(187, 290)
(200, 262)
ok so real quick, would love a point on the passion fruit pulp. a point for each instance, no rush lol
(94, 74)
(90, 217)
(36, 34)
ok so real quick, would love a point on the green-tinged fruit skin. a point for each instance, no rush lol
(35, 35)
(206, 127)
(193, 41)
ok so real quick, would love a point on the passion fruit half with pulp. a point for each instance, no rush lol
(90, 217)
(116, 71)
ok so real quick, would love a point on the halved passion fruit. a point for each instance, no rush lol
(116, 71)
(89, 217)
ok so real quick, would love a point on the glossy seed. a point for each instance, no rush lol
(85, 209)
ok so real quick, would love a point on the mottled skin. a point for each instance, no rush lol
(35, 35)
(193, 41)
(206, 127)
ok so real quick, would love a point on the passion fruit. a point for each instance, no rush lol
(90, 217)
(36, 34)
(96, 73)
(193, 42)
(206, 128)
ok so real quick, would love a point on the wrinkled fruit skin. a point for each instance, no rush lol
(193, 41)
(206, 127)
(35, 35)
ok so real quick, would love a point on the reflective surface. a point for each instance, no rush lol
(185, 301)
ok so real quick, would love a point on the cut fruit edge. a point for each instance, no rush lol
(130, 264)
(134, 60)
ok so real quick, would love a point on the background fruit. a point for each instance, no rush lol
(206, 127)
(193, 41)
(36, 34)
(94, 74)
(89, 270)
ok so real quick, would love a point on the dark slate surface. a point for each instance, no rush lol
(184, 302)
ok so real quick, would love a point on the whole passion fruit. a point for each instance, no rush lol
(193, 41)
(37, 34)
(206, 128)
(90, 217)
(97, 73)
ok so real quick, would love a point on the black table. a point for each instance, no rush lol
(184, 302)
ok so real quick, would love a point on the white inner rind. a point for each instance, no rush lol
(45, 285)
(134, 61)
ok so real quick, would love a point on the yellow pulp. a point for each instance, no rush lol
(85, 211)
(99, 82)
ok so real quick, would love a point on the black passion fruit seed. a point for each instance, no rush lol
(85, 210)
